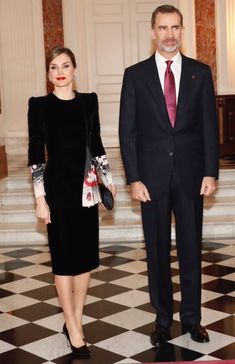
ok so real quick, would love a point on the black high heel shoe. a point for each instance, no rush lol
(65, 329)
(81, 351)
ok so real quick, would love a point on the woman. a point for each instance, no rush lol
(60, 123)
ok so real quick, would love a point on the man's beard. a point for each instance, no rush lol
(170, 48)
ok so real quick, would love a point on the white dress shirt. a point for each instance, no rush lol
(175, 67)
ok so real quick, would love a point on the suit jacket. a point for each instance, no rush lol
(150, 147)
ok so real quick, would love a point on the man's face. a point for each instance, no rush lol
(167, 33)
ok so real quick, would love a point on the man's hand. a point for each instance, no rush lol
(208, 186)
(139, 192)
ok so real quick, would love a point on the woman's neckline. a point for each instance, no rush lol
(60, 99)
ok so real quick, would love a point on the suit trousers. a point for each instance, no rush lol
(157, 218)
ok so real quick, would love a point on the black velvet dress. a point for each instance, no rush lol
(60, 126)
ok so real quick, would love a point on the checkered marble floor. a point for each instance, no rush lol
(117, 316)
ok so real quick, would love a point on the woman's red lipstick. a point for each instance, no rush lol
(60, 78)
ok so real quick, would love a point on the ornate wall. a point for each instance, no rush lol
(30, 26)
(52, 24)
(206, 34)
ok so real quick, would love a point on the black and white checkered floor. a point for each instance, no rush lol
(117, 316)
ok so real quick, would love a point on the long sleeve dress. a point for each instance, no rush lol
(56, 154)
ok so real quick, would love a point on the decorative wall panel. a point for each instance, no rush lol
(109, 35)
(52, 23)
(206, 34)
(53, 27)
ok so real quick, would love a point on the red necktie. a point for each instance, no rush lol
(169, 92)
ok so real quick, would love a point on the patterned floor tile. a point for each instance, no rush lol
(131, 298)
(106, 290)
(14, 264)
(224, 326)
(8, 321)
(130, 319)
(25, 334)
(48, 348)
(37, 311)
(167, 353)
(99, 330)
(217, 270)
(205, 348)
(103, 308)
(14, 302)
(109, 275)
(134, 281)
(42, 293)
(22, 253)
(225, 353)
(127, 344)
(118, 316)
(5, 293)
(23, 285)
(224, 303)
(214, 257)
(18, 356)
(220, 285)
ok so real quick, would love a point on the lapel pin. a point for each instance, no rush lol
(193, 77)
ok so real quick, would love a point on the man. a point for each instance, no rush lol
(169, 145)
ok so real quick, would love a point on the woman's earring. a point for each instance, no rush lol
(74, 76)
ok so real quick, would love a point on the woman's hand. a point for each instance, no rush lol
(42, 210)
(113, 189)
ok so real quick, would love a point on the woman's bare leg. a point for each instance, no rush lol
(65, 290)
(80, 284)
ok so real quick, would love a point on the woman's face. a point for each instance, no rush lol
(61, 71)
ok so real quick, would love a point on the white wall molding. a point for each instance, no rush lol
(225, 55)
(187, 8)
(23, 65)
(74, 25)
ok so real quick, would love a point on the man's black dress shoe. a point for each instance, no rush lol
(159, 335)
(198, 333)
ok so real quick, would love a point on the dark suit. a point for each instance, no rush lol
(171, 162)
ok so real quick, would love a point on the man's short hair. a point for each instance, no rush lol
(166, 9)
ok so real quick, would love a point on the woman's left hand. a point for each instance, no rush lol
(113, 189)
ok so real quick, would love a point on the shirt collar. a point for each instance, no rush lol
(162, 61)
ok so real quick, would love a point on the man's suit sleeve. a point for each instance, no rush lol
(210, 128)
(128, 128)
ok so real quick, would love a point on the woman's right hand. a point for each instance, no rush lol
(42, 210)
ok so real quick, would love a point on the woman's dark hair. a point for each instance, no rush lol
(55, 52)
(166, 9)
